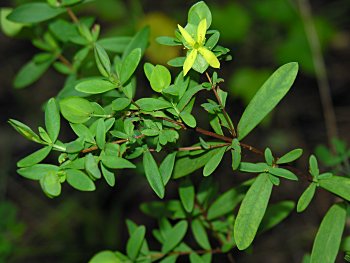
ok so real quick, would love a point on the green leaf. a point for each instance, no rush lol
(76, 109)
(35, 157)
(34, 13)
(188, 164)
(108, 175)
(30, 73)
(214, 161)
(114, 162)
(253, 167)
(151, 104)
(267, 97)
(160, 78)
(114, 44)
(37, 171)
(80, 180)
(102, 61)
(235, 154)
(337, 185)
(83, 132)
(290, 156)
(224, 204)
(25, 131)
(188, 118)
(152, 174)
(105, 257)
(174, 236)
(167, 41)
(8, 27)
(198, 12)
(166, 167)
(52, 119)
(268, 156)
(252, 210)
(135, 242)
(275, 214)
(101, 134)
(95, 86)
(313, 166)
(186, 193)
(306, 197)
(328, 237)
(140, 40)
(91, 166)
(120, 104)
(50, 183)
(200, 234)
(283, 173)
(129, 65)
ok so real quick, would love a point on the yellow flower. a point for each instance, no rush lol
(198, 47)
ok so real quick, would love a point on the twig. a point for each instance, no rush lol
(72, 15)
(227, 118)
(320, 70)
(65, 61)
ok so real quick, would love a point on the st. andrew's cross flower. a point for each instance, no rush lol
(198, 46)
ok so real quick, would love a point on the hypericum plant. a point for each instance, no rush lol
(115, 129)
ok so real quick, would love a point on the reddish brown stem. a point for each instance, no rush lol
(72, 15)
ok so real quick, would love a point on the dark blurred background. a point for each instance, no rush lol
(262, 35)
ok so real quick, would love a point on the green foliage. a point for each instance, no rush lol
(115, 129)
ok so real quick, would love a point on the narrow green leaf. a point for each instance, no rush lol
(91, 166)
(120, 104)
(76, 110)
(151, 104)
(283, 173)
(306, 197)
(37, 171)
(140, 40)
(135, 242)
(30, 73)
(186, 193)
(8, 27)
(188, 164)
(83, 132)
(129, 65)
(235, 154)
(253, 167)
(101, 134)
(108, 175)
(268, 156)
(34, 13)
(174, 236)
(114, 44)
(52, 119)
(35, 157)
(200, 234)
(152, 174)
(337, 185)
(168, 41)
(313, 166)
(214, 161)
(290, 156)
(252, 210)
(166, 167)
(80, 180)
(328, 237)
(102, 61)
(267, 97)
(225, 204)
(116, 162)
(95, 86)
(25, 131)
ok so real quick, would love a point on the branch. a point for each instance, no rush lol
(72, 15)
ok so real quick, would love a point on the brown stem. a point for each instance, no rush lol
(65, 61)
(227, 118)
(72, 15)
(182, 253)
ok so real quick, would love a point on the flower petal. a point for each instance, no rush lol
(191, 57)
(186, 36)
(209, 57)
(201, 31)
